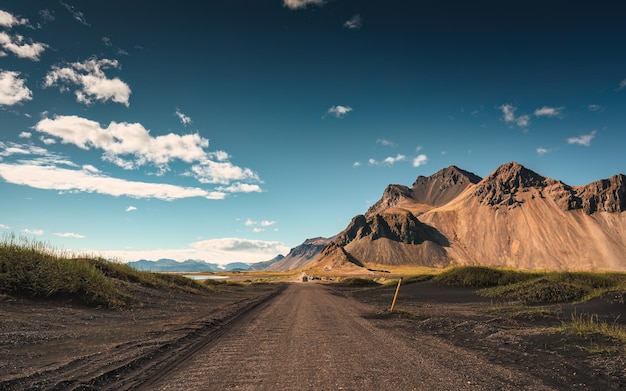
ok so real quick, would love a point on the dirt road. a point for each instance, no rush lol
(310, 339)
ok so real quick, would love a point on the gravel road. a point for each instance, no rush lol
(307, 338)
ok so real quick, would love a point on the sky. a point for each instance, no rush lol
(235, 130)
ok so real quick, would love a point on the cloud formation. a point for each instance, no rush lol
(385, 142)
(12, 89)
(8, 20)
(508, 115)
(131, 209)
(185, 120)
(123, 139)
(354, 23)
(297, 4)
(68, 180)
(542, 151)
(388, 161)
(420, 160)
(584, 140)
(36, 232)
(339, 111)
(69, 235)
(91, 80)
(21, 47)
(546, 111)
(130, 146)
(76, 14)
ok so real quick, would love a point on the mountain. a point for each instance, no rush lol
(189, 265)
(265, 264)
(301, 255)
(514, 217)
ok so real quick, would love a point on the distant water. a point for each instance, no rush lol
(203, 277)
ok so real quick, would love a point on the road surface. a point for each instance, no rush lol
(307, 338)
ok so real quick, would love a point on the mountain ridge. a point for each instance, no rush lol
(513, 217)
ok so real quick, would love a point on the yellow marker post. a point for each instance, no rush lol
(393, 304)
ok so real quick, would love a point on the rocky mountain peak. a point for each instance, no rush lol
(442, 186)
(501, 186)
(447, 177)
(606, 195)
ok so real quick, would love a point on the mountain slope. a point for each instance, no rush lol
(300, 255)
(514, 217)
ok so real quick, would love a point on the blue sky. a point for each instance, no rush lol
(234, 130)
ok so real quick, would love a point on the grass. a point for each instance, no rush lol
(590, 326)
(359, 282)
(534, 287)
(29, 268)
(481, 276)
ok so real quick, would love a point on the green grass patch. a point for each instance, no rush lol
(590, 327)
(480, 276)
(29, 268)
(534, 287)
(524, 312)
(359, 282)
(538, 291)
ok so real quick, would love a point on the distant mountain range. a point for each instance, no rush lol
(190, 265)
(514, 217)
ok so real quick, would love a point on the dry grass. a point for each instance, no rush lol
(30, 268)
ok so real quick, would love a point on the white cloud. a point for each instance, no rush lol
(2, 226)
(37, 232)
(508, 115)
(78, 15)
(92, 81)
(222, 173)
(46, 15)
(584, 140)
(386, 143)
(238, 244)
(339, 111)
(259, 226)
(354, 22)
(130, 145)
(595, 107)
(12, 89)
(25, 135)
(622, 85)
(90, 168)
(297, 4)
(8, 20)
(131, 209)
(61, 179)
(388, 161)
(69, 235)
(47, 141)
(546, 111)
(542, 151)
(119, 139)
(356, 164)
(17, 45)
(420, 160)
(185, 120)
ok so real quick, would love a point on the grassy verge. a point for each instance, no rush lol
(597, 332)
(29, 268)
(534, 287)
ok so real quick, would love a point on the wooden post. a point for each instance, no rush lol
(393, 304)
